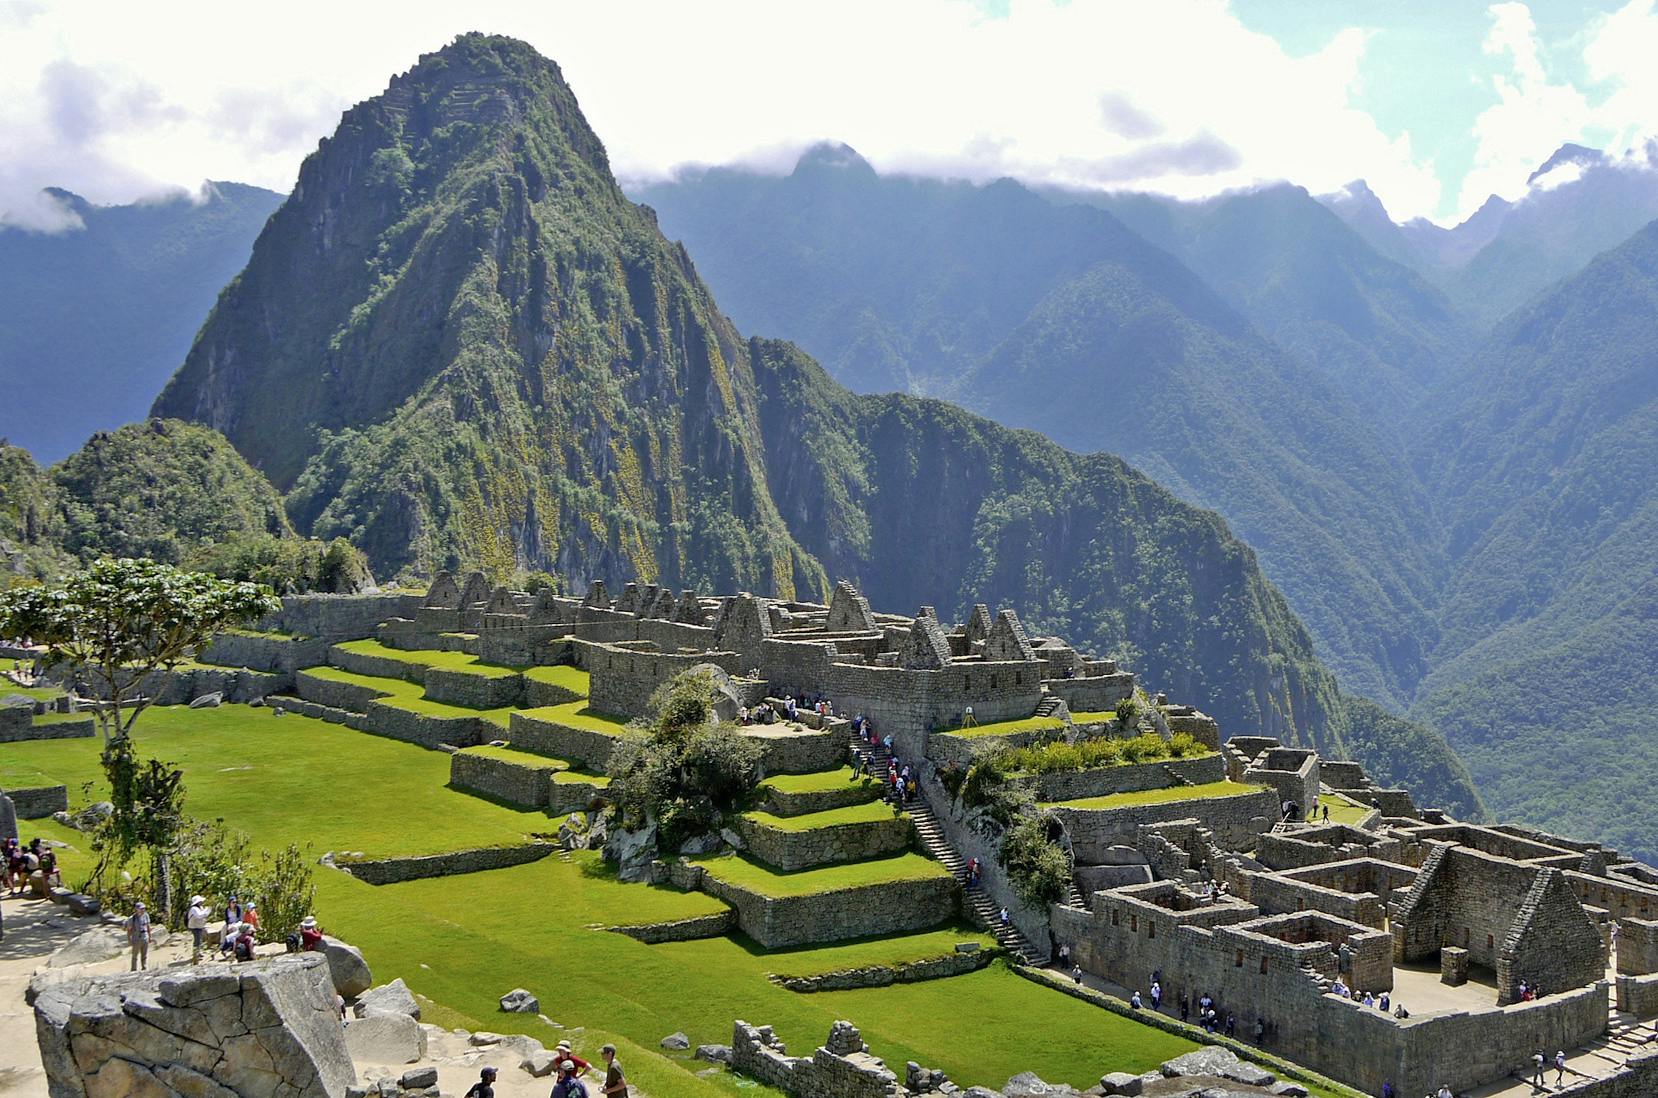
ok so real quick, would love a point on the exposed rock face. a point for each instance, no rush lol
(267, 1029)
(392, 998)
(1219, 1062)
(519, 1001)
(385, 1039)
(350, 972)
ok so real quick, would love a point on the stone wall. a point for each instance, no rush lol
(1623, 898)
(1075, 785)
(267, 1028)
(1637, 1078)
(334, 693)
(696, 927)
(1293, 772)
(40, 802)
(789, 749)
(1307, 846)
(500, 779)
(906, 972)
(1237, 821)
(384, 871)
(474, 691)
(963, 833)
(582, 746)
(892, 907)
(425, 729)
(1637, 945)
(622, 681)
(1094, 694)
(18, 725)
(384, 667)
(265, 652)
(568, 795)
(847, 842)
(841, 1068)
(781, 803)
(338, 617)
(1638, 995)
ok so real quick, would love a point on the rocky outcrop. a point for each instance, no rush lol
(266, 1029)
(350, 972)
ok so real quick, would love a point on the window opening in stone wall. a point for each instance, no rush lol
(1263, 964)
(1237, 962)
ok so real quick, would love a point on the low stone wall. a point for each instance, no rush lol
(681, 930)
(265, 652)
(18, 725)
(780, 803)
(847, 842)
(908, 972)
(474, 691)
(1636, 994)
(500, 779)
(948, 747)
(797, 751)
(1075, 785)
(1274, 895)
(339, 617)
(537, 694)
(40, 802)
(892, 907)
(335, 694)
(426, 730)
(184, 685)
(385, 871)
(584, 747)
(1638, 1078)
(1093, 694)
(574, 796)
(367, 663)
(320, 712)
(1236, 821)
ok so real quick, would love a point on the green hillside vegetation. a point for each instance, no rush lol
(95, 318)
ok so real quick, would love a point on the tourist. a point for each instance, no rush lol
(233, 916)
(567, 1085)
(1260, 1029)
(973, 873)
(910, 789)
(886, 743)
(251, 915)
(859, 762)
(1134, 1000)
(1185, 1007)
(1326, 813)
(1383, 1004)
(1537, 1069)
(563, 1052)
(485, 1086)
(1344, 958)
(139, 935)
(1400, 1012)
(1523, 990)
(615, 1083)
(1065, 955)
(1231, 1025)
(1444, 1092)
(1560, 1068)
(1369, 1000)
(1387, 1090)
(310, 935)
(246, 945)
(1156, 995)
(196, 920)
(49, 868)
(1076, 974)
(1338, 988)
(1003, 916)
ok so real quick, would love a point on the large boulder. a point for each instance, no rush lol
(631, 852)
(98, 944)
(1027, 1084)
(263, 1028)
(392, 998)
(8, 819)
(1222, 1063)
(385, 1039)
(346, 964)
(519, 1001)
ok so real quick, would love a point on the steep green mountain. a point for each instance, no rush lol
(1543, 457)
(159, 489)
(1379, 331)
(1055, 316)
(27, 518)
(489, 355)
(94, 320)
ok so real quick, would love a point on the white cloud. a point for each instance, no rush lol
(1620, 55)
(1178, 96)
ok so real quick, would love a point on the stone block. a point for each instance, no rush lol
(1453, 966)
(519, 1001)
(392, 998)
(385, 1039)
(350, 972)
(1121, 1082)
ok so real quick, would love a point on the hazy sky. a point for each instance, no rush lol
(1437, 103)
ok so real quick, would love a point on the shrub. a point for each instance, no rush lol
(1036, 865)
(287, 565)
(1184, 744)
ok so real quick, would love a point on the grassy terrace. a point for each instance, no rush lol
(572, 679)
(870, 812)
(896, 950)
(1007, 728)
(577, 714)
(517, 758)
(462, 941)
(443, 661)
(824, 781)
(1343, 810)
(39, 693)
(1208, 791)
(402, 694)
(742, 873)
(1101, 717)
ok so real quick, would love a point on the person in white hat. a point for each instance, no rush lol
(578, 1066)
(138, 936)
(310, 935)
(196, 919)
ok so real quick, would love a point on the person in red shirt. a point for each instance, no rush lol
(310, 936)
(563, 1053)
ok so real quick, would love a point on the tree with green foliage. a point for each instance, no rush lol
(118, 622)
(147, 799)
(291, 566)
(688, 771)
(1036, 865)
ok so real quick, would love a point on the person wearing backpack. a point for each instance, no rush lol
(567, 1085)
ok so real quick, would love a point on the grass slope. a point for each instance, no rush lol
(1207, 791)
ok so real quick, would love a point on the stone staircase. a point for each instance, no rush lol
(980, 908)
(1049, 705)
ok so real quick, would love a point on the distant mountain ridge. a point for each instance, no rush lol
(94, 320)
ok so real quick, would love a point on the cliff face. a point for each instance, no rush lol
(458, 343)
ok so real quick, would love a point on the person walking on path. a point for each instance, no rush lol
(485, 1086)
(615, 1083)
(1560, 1068)
(138, 937)
(1537, 1069)
(196, 921)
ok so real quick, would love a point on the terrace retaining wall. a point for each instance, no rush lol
(1075, 785)
(1237, 821)
(907, 972)
(474, 691)
(541, 736)
(18, 725)
(384, 871)
(847, 842)
(502, 779)
(781, 803)
(425, 729)
(890, 907)
(265, 652)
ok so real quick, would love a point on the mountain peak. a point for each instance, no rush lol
(827, 156)
(1581, 155)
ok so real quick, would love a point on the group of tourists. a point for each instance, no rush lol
(903, 781)
(1382, 1002)
(1443, 1092)
(570, 1071)
(22, 862)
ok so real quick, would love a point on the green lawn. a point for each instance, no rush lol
(1207, 791)
(1102, 717)
(39, 693)
(755, 877)
(576, 777)
(462, 942)
(572, 679)
(576, 714)
(869, 812)
(1343, 810)
(402, 694)
(430, 657)
(826, 781)
(1007, 728)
